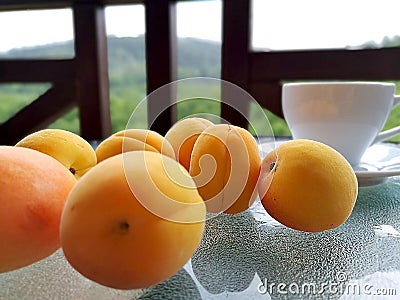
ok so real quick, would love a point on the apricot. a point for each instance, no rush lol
(109, 236)
(132, 140)
(182, 136)
(307, 185)
(34, 188)
(70, 149)
(225, 164)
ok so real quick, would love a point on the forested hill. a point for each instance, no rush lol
(196, 57)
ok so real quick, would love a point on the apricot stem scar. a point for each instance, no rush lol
(124, 226)
(271, 166)
(72, 170)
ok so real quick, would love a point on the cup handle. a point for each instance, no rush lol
(387, 134)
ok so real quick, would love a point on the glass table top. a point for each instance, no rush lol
(251, 256)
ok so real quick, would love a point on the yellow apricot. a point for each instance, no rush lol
(182, 136)
(108, 233)
(70, 149)
(33, 189)
(132, 140)
(307, 185)
(225, 165)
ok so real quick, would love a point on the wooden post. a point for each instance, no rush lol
(235, 47)
(92, 87)
(161, 41)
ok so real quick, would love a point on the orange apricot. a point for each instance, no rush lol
(307, 186)
(132, 140)
(70, 149)
(33, 189)
(132, 221)
(225, 164)
(182, 136)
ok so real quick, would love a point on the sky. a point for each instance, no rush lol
(277, 24)
(323, 23)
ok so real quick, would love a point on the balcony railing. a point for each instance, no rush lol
(83, 80)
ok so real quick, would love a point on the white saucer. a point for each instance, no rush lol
(378, 163)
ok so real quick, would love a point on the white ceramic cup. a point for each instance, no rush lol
(348, 116)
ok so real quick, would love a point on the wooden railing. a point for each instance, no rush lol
(83, 80)
(262, 73)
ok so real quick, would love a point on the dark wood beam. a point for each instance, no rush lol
(39, 70)
(374, 64)
(37, 115)
(234, 64)
(268, 94)
(161, 51)
(10, 5)
(91, 81)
